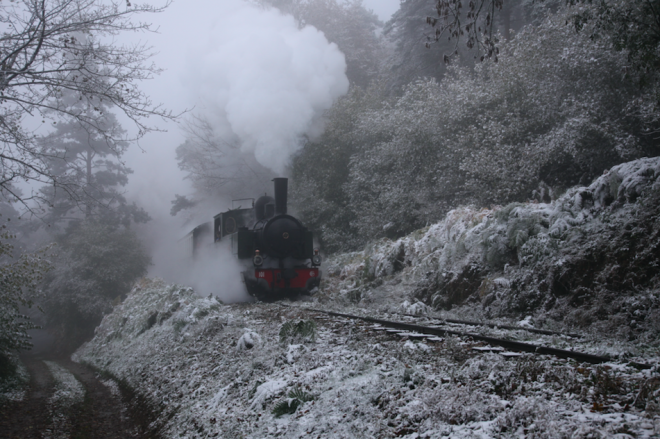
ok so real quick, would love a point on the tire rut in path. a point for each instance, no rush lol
(101, 415)
(29, 418)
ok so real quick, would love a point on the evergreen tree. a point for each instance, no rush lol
(88, 169)
(412, 56)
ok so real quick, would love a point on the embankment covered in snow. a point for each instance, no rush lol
(264, 370)
(588, 260)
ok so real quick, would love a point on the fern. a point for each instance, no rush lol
(296, 398)
(303, 330)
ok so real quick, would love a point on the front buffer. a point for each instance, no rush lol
(273, 283)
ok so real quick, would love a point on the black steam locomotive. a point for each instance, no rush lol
(277, 250)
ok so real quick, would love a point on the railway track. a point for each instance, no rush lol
(498, 326)
(510, 345)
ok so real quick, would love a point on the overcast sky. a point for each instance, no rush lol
(383, 8)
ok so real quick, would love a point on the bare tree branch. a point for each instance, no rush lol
(59, 58)
(454, 23)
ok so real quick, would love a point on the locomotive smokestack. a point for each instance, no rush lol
(281, 185)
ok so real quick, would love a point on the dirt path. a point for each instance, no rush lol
(101, 415)
(29, 418)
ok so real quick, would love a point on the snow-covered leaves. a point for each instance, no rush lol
(353, 382)
(555, 111)
(19, 283)
(303, 331)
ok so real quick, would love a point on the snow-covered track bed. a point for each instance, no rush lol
(414, 329)
(263, 370)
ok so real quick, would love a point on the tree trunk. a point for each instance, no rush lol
(88, 188)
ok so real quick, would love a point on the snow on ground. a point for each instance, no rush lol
(184, 354)
(269, 370)
(68, 391)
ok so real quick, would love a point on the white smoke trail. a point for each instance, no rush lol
(258, 79)
(264, 81)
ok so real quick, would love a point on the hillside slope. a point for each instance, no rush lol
(587, 261)
(268, 370)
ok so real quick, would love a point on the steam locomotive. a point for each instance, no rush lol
(275, 248)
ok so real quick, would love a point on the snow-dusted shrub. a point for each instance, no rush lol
(248, 340)
(20, 277)
(415, 309)
(295, 399)
(14, 380)
(463, 405)
(301, 331)
(531, 417)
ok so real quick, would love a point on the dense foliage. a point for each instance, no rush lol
(557, 109)
(20, 278)
(96, 266)
(62, 65)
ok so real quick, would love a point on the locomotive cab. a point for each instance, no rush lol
(228, 223)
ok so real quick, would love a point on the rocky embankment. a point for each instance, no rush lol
(588, 261)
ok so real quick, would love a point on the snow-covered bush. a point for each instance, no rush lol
(20, 278)
(301, 331)
(296, 398)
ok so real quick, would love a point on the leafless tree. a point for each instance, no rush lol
(60, 58)
(216, 164)
(474, 22)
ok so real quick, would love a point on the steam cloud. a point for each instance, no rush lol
(264, 81)
(261, 82)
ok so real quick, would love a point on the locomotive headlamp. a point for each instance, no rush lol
(316, 259)
(257, 259)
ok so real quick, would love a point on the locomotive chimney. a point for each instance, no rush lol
(280, 195)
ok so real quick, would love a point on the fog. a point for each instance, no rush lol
(260, 81)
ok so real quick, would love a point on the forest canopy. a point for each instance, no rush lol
(572, 91)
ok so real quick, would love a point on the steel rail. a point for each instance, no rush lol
(442, 321)
(508, 344)
(516, 328)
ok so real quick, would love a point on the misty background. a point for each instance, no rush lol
(181, 27)
(383, 116)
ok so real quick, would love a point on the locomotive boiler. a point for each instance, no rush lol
(276, 250)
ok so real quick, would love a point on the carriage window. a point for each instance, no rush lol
(230, 225)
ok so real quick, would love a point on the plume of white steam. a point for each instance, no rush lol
(264, 81)
(214, 270)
